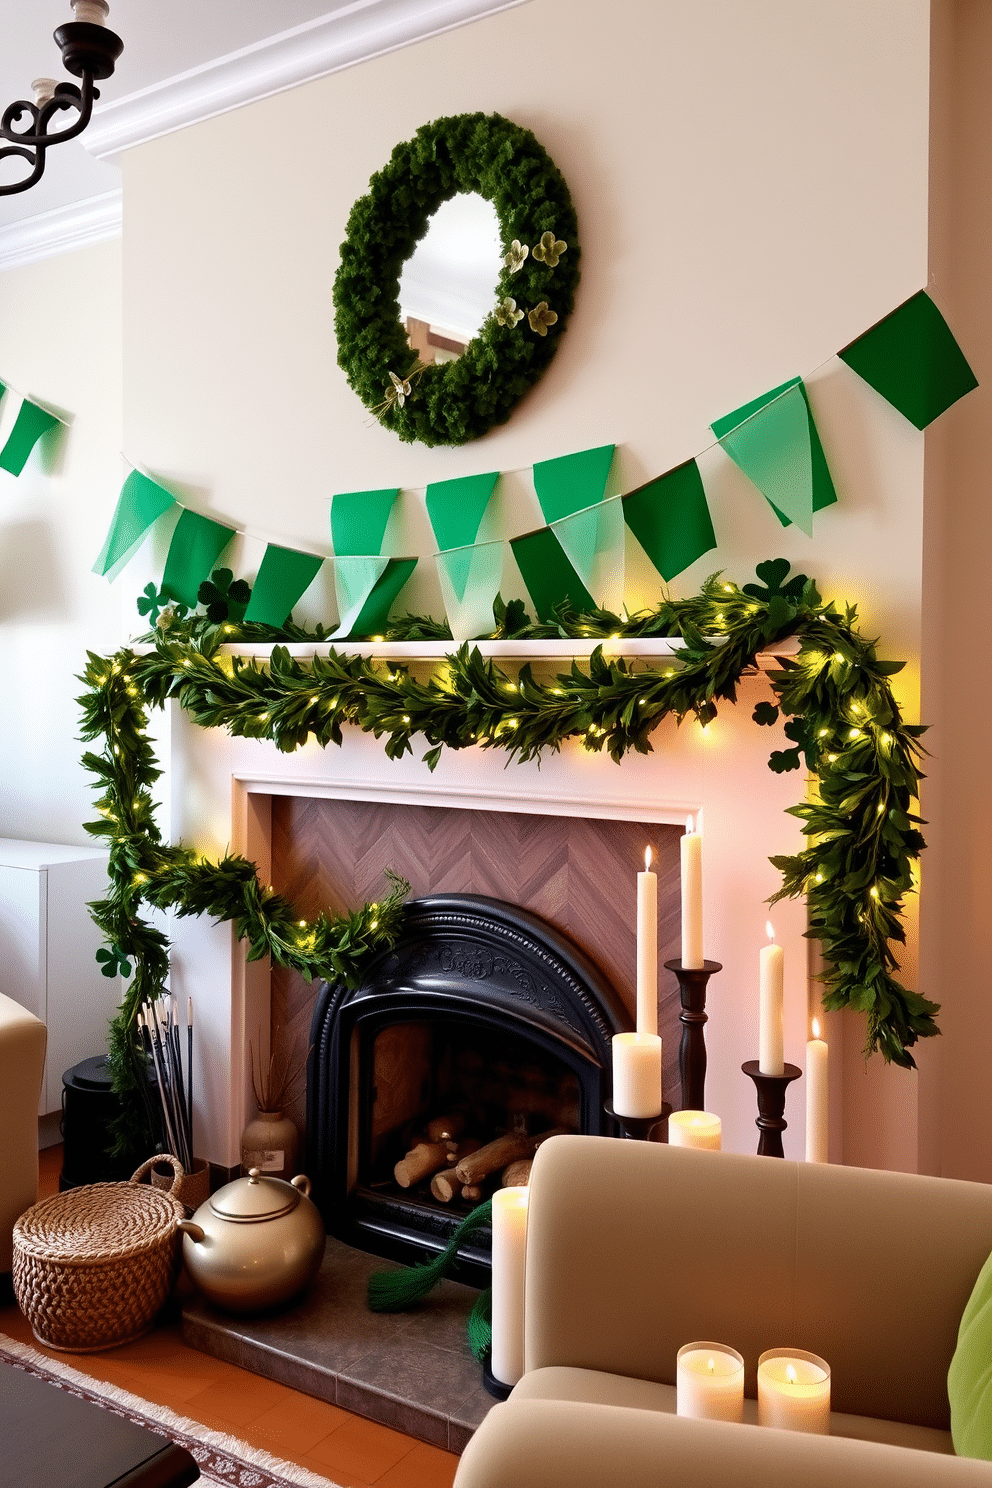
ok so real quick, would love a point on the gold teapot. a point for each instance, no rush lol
(255, 1243)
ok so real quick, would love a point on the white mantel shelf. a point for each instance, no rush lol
(630, 648)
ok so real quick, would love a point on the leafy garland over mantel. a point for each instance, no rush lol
(841, 720)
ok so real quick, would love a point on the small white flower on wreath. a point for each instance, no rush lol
(400, 390)
(549, 250)
(541, 317)
(514, 260)
(507, 313)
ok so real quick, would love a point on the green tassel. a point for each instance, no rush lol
(395, 1291)
(480, 1325)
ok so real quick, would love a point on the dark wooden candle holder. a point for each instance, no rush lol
(642, 1128)
(771, 1090)
(692, 982)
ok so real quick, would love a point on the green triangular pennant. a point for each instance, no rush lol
(196, 545)
(671, 520)
(372, 615)
(358, 520)
(774, 441)
(139, 507)
(593, 543)
(456, 508)
(355, 577)
(31, 423)
(913, 360)
(470, 580)
(568, 484)
(549, 576)
(283, 576)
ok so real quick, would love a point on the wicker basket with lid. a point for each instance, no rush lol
(93, 1266)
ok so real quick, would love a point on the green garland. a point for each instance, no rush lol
(841, 721)
(453, 402)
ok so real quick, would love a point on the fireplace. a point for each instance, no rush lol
(483, 1020)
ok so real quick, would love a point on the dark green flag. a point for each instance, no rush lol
(358, 520)
(671, 520)
(196, 545)
(571, 482)
(368, 615)
(913, 360)
(31, 423)
(549, 576)
(283, 576)
(141, 502)
(456, 508)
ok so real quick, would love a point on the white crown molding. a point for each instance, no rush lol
(343, 38)
(94, 220)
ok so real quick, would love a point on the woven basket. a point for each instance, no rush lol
(94, 1265)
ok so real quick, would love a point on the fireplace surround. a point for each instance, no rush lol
(481, 1009)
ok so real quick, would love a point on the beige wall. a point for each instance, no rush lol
(751, 186)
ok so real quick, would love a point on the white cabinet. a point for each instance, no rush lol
(48, 946)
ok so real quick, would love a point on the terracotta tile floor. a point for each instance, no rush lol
(160, 1367)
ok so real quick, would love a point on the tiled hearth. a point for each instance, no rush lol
(411, 1371)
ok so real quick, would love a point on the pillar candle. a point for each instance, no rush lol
(709, 1382)
(695, 1129)
(692, 899)
(770, 1032)
(637, 1074)
(817, 1065)
(509, 1235)
(794, 1391)
(647, 949)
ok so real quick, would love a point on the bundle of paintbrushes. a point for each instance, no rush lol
(159, 1026)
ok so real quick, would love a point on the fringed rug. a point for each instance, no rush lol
(223, 1460)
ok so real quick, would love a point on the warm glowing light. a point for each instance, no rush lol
(873, 891)
(790, 1373)
(727, 589)
(816, 1028)
(711, 1366)
(769, 930)
(688, 824)
(647, 859)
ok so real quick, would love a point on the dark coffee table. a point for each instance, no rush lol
(53, 1440)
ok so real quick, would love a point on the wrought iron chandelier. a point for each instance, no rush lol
(89, 52)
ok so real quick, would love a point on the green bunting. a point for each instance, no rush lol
(572, 482)
(196, 544)
(671, 520)
(366, 588)
(913, 360)
(774, 441)
(282, 577)
(549, 576)
(470, 580)
(456, 508)
(593, 542)
(31, 423)
(141, 502)
(359, 518)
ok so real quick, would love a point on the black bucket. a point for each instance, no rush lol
(89, 1109)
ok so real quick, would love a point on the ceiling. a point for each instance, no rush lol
(162, 41)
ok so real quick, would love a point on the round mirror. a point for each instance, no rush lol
(448, 284)
(536, 271)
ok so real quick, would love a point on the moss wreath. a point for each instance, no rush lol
(453, 402)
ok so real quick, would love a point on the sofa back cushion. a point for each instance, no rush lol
(634, 1249)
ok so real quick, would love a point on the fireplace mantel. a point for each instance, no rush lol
(216, 796)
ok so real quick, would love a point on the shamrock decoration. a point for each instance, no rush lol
(225, 597)
(114, 961)
(151, 602)
(541, 317)
(514, 260)
(773, 571)
(507, 313)
(781, 760)
(400, 390)
(549, 250)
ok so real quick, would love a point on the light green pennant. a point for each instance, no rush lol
(549, 576)
(572, 482)
(358, 520)
(671, 520)
(283, 576)
(593, 543)
(774, 441)
(197, 543)
(366, 588)
(470, 580)
(141, 502)
(913, 360)
(456, 508)
(31, 423)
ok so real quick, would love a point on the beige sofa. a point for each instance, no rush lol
(22, 1063)
(634, 1249)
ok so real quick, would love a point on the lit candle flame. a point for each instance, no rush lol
(769, 930)
(790, 1373)
(647, 859)
(816, 1028)
(689, 824)
(711, 1366)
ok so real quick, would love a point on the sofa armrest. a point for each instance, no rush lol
(564, 1444)
(22, 1064)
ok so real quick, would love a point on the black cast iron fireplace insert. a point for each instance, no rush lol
(481, 1009)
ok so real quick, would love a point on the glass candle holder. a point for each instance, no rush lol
(794, 1391)
(709, 1382)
